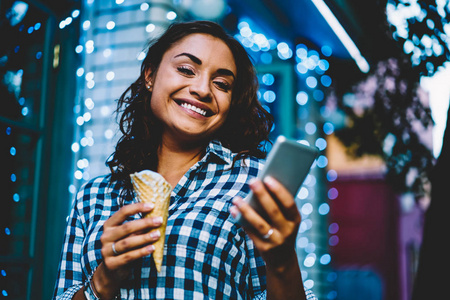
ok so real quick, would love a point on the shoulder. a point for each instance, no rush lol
(95, 185)
(98, 187)
(98, 197)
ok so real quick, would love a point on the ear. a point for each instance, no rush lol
(149, 79)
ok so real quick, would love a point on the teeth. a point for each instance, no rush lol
(194, 108)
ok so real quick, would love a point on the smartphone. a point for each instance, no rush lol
(289, 162)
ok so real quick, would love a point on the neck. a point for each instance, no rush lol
(174, 160)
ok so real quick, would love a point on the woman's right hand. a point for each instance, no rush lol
(132, 240)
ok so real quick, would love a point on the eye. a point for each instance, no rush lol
(185, 70)
(222, 85)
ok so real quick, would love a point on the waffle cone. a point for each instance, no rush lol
(151, 187)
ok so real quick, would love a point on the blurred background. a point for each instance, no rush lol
(366, 82)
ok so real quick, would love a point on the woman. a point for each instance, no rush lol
(192, 116)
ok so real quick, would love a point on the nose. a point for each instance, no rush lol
(201, 89)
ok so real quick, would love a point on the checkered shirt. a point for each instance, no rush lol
(206, 255)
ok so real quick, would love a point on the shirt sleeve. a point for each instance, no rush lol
(309, 295)
(70, 275)
(257, 269)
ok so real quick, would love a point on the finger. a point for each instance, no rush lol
(285, 198)
(123, 259)
(135, 227)
(267, 201)
(127, 211)
(259, 225)
(134, 242)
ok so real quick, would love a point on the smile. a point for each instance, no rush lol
(194, 108)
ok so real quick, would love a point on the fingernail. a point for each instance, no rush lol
(238, 201)
(151, 248)
(149, 205)
(252, 182)
(158, 220)
(155, 234)
(234, 211)
(270, 181)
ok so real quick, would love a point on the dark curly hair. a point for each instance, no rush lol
(245, 131)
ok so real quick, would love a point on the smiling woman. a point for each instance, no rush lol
(192, 89)
(193, 117)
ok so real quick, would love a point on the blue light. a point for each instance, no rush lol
(310, 248)
(333, 228)
(3, 272)
(333, 240)
(5, 293)
(325, 80)
(7, 231)
(39, 55)
(328, 128)
(25, 111)
(171, 15)
(37, 26)
(268, 79)
(313, 54)
(325, 259)
(30, 30)
(318, 95)
(302, 242)
(266, 58)
(322, 161)
(326, 50)
(332, 276)
(311, 82)
(76, 109)
(331, 175)
(16, 197)
(323, 64)
(269, 96)
(75, 13)
(302, 98)
(8, 130)
(302, 51)
(332, 193)
(332, 295)
(12, 151)
(16, 49)
(310, 128)
(324, 209)
(13, 177)
(321, 143)
(301, 68)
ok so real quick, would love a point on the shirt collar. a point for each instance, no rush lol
(216, 148)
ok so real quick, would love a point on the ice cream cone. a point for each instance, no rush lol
(151, 187)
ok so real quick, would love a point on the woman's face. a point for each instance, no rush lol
(192, 88)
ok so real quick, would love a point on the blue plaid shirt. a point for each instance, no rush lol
(206, 255)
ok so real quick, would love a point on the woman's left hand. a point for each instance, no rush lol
(275, 238)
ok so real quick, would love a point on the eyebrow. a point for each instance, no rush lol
(198, 61)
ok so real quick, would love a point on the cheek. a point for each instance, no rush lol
(155, 106)
(225, 112)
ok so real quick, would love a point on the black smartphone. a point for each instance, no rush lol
(289, 162)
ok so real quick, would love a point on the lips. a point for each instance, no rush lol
(195, 107)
